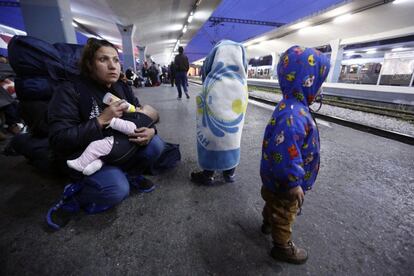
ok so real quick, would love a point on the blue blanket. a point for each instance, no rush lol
(221, 107)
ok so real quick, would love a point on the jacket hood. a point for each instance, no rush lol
(301, 72)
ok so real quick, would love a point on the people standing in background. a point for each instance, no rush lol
(171, 73)
(181, 66)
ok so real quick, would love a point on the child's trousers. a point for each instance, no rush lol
(279, 212)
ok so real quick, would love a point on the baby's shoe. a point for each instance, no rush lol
(289, 253)
(93, 167)
(75, 164)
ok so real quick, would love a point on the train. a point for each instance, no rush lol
(260, 67)
(360, 71)
(385, 70)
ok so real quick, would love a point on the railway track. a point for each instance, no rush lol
(395, 113)
(407, 139)
(354, 105)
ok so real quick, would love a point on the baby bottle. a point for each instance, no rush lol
(110, 98)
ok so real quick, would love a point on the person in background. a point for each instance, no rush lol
(77, 117)
(290, 151)
(181, 69)
(171, 73)
(9, 106)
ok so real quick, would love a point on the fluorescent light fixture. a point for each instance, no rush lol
(342, 18)
(350, 53)
(176, 45)
(398, 49)
(371, 51)
(399, 1)
(74, 24)
(185, 29)
(307, 30)
(301, 25)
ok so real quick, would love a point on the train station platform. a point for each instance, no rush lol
(358, 219)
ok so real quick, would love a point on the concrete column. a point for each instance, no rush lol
(49, 20)
(336, 59)
(127, 32)
(142, 50)
(275, 61)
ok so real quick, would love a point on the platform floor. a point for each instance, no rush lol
(358, 219)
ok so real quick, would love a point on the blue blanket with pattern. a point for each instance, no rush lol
(221, 107)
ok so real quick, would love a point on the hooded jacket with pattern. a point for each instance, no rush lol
(290, 151)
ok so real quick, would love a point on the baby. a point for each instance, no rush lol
(116, 147)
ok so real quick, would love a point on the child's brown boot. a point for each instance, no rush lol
(289, 253)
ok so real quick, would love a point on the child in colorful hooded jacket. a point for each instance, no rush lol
(290, 152)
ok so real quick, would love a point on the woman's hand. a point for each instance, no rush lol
(115, 109)
(142, 136)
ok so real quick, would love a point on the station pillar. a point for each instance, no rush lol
(49, 20)
(275, 61)
(336, 59)
(142, 50)
(127, 33)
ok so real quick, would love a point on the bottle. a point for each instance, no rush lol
(110, 98)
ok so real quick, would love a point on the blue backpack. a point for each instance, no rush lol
(40, 67)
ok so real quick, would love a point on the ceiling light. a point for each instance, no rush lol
(399, 1)
(307, 30)
(342, 18)
(371, 51)
(74, 24)
(185, 29)
(350, 53)
(398, 49)
(190, 18)
(301, 25)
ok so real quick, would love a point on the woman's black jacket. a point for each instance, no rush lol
(73, 112)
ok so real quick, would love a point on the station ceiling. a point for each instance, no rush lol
(159, 23)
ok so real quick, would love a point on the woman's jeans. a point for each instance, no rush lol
(109, 186)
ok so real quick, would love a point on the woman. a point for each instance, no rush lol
(77, 116)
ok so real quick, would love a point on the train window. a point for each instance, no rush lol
(365, 68)
(378, 68)
(353, 69)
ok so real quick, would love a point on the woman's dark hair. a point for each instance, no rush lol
(88, 53)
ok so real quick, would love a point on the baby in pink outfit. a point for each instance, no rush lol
(89, 162)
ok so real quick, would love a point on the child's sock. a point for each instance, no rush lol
(93, 167)
(75, 164)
